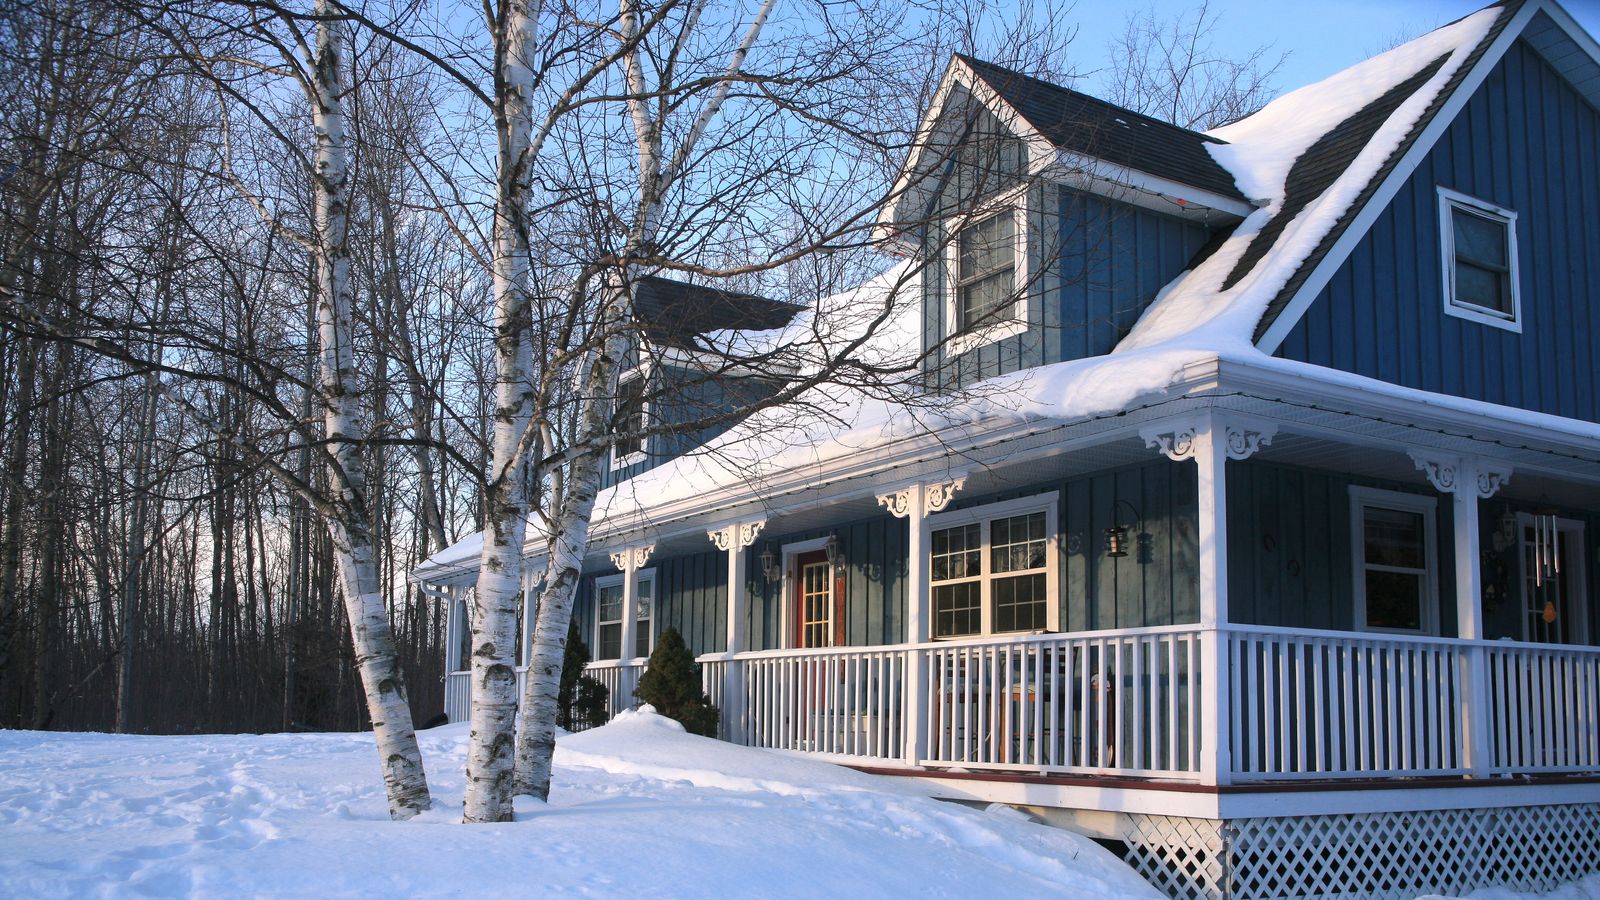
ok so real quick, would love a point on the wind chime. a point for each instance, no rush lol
(1546, 558)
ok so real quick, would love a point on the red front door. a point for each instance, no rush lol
(818, 602)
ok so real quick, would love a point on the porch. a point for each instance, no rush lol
(1209, 613)
(1306, 705)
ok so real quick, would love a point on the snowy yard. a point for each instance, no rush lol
(638, 808)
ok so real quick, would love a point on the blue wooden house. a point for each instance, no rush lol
(1272, 555)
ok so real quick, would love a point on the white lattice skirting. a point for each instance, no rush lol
(1378, 855)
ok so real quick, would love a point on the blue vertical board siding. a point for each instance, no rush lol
(1157, 582)
(692, 596)
(1289, 553)
(1525, 141)
(1097, 265)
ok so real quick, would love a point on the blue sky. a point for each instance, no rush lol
(1320, 37)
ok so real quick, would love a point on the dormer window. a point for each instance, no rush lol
(1479, 248)
(986, 272)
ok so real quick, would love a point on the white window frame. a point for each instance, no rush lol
(983, 516)
(958, 342)
(1449, 201)
(605, 581)
(1361, 498)
(642, 372)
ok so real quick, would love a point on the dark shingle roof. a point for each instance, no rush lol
(674, 312)
(1095, 128)
(1325, 160)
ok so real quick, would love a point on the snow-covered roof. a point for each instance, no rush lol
(1311, 160)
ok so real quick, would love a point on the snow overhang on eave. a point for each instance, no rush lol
(1142, 189)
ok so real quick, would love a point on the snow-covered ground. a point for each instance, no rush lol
(638, 809)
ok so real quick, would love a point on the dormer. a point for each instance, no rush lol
(1046, 220)
(682, 373)
(1054, 133)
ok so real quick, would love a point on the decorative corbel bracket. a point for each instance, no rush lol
(1449, 473)
(632, 557)
(1176, 442)
(936, 496)
(736, 536)
(1241, 439)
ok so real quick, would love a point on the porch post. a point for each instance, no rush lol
(1468, 480)
(914, 503)
(630, 561)
(734, 540)
(453, 623)
(1211, 442)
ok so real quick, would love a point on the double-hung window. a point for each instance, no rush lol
(1479, 246)
(609, 612)
(1395, 567)
(992, 569)
(986, 272)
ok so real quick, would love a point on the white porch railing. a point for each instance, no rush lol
(1548, 700)
(1116, 703)
(844, 701)
(620, 678)
(1328, 704)
(1304, 704)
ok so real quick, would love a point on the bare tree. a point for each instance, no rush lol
(1171, 69)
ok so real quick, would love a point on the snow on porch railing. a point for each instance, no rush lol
(1546, 705)
(1119, 703)
(1327, 704)
(844, 701)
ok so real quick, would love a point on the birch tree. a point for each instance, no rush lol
(569, 533)
(404, 779)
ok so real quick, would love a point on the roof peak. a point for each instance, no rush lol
(977, 65)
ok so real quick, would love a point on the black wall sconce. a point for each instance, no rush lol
(769, 563)
(1117, 534)
(835, 551)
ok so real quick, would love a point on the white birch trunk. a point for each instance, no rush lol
(494, 680)
(370, 633)
(570, 539)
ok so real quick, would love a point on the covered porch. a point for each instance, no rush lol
(1283, 648)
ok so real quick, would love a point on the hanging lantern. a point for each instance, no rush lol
(1116, 541)
(1117, 534)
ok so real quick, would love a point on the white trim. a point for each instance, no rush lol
(613, 580)
(1449, 201)
(788, 552)
(983, 516)
(1015, 201)
(1142, 189)
(1360, 499)
(1375, 206)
